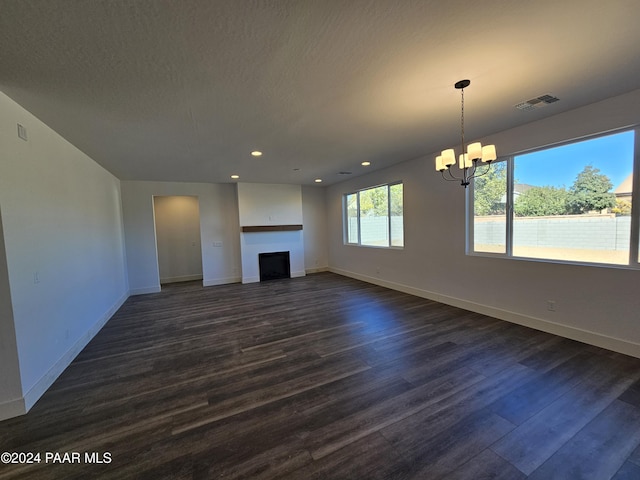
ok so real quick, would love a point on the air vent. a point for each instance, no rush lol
(537, 102)
(344, 173)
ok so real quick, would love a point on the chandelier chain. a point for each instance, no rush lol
(462, 120)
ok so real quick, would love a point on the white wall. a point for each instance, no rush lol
(63, 236)
(597, 305)
(314, 219)
(178, 238)
(218, 226)
(269, 204)
(11, 402)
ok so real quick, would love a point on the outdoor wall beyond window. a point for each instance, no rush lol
(571, 202)
(374, 216)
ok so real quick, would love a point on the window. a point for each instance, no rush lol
(570, 203)
(374, 216)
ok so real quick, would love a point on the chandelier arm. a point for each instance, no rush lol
(452, 179)
(483, 173)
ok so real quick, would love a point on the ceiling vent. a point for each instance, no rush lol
(537, 102)
(344, 173)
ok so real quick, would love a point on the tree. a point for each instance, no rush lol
(623, 207)
(490, 190)
(373, 202)
(590, 191)
(397, 200)
(541, 201)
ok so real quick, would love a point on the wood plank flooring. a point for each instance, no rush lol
(326, 377)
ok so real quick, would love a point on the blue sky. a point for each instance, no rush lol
(612, 154)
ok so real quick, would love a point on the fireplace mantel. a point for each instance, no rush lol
(270, 228)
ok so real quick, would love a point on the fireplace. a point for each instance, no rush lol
(274, 265)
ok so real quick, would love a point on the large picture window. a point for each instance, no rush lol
(571, 202)
(374, 216)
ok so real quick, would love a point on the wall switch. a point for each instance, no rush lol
(36, 277)
(22, 132)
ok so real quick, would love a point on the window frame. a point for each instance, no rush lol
(634, 242)
(345, 216)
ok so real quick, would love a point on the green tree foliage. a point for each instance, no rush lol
(397, 207)
(541, 201)
(590, 191)
(490, 190)
(373, 202)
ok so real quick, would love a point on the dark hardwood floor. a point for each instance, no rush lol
(325, 377)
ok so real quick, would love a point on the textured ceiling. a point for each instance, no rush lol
(183, 90)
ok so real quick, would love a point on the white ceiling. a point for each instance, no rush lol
(183, 90)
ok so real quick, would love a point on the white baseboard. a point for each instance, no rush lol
(182, 278)
(317, 270)
(250, 279)
(145, 290)
(12, 408)
(221, 281)
(41, 386)
(573, 333)
(300, 273)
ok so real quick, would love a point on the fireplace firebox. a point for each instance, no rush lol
(274, 265)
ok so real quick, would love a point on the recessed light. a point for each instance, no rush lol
(235, 176)
(256, 153)
(318, 180)
(365, 164)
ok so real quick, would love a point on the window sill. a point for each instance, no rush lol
(555, 261)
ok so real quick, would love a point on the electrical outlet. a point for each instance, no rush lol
(551, 305)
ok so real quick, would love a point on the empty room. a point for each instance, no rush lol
(299, 239)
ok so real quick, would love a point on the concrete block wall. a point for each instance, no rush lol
(601, 232)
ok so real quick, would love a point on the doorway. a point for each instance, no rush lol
(177, 222)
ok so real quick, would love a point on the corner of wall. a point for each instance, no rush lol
(41, 386)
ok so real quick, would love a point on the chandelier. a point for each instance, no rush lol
(468, 162)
